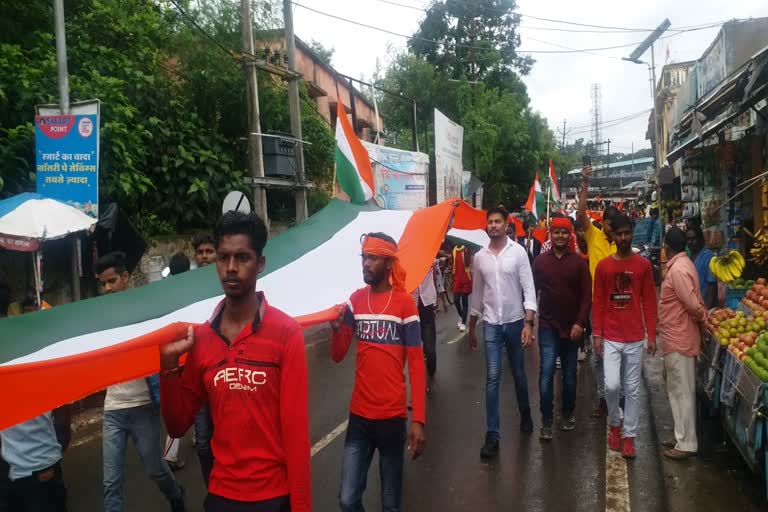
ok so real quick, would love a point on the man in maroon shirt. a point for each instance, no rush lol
(624, 309)
(565, 293)
(248, 364)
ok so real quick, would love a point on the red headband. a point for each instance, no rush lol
(379, 247)
(561, 222)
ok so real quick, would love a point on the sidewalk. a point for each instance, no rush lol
(716, 479)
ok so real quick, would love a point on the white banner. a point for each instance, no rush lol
(399, 177)
(449, 138)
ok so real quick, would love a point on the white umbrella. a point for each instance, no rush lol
(33, 216)
(28, 219)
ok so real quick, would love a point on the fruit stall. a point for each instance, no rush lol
(732, 370)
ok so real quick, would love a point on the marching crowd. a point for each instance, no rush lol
(243, 382)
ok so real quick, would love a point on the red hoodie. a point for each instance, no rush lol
(256, 386)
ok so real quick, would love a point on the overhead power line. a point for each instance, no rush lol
(459, 45)
(622, 118)
(603, 28)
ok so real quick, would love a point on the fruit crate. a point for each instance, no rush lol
(733, 297)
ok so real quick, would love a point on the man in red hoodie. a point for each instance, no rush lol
(247, 363)
(385, 320)
(624, 297)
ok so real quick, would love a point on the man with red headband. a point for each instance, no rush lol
(385, 320)
(565, 294)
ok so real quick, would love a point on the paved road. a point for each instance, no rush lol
(573, 472)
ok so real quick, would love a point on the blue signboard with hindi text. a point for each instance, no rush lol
(67, 159)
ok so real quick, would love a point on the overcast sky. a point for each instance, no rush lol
(559, 85)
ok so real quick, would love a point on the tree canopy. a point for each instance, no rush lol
(173, 103)
(473, 77)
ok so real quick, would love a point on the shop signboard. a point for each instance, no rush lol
(67, 155)
(399, 177)
(449, 138)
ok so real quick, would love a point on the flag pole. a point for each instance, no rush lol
(549, 192)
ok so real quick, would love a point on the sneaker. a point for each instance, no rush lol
(462, 327)
(545, 433)
(614, 438)
(175, 465)
(569, 423)
(491, 447)
(177, 504)
(459, 325)
(628, 448)
(526, 423)
(601, 409)
(582, 355)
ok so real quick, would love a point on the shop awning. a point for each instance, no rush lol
(738, 93)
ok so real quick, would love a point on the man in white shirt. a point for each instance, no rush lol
(131, 410)
(426, 298)
(501, 276)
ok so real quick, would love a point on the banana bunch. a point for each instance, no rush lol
(728, 267)
(759, 249)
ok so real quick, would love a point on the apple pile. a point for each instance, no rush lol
(756, 297)
(735, 330)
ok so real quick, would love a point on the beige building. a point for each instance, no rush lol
(323, 82)
(673, 76)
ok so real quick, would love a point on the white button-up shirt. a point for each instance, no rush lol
(426, 290)
(502, 286)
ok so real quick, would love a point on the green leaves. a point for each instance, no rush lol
(173, 105)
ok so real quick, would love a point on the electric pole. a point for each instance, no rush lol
(300, 193)
(563, 133)
(255, 158)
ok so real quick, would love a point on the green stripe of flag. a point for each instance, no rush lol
(25, 334)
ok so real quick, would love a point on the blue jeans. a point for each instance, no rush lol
(203, 436)
(496, 336)
(142, 425)
(550, 346)
(363, 437)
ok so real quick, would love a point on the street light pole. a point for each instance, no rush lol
(635, 57)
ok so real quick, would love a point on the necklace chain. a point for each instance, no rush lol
(385, 307)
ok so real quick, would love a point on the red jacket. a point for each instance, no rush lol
(256, 387)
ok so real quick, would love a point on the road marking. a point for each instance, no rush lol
(616, 482)
(85, 439)
(457, 338)
(329, 438)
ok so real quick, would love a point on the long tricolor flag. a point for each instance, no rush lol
(353, 165)
(56, 356)
(554, 190)
(536, 203)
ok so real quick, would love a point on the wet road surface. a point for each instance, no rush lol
(569, 473)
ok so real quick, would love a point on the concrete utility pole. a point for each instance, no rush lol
(61, 56)
(295, 110)
(63, 79)
(564, 133)
(255, 155)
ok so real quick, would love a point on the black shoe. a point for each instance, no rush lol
(545, 433)
(569, 423)
(526, 423)
(491, 447)
(177, 504)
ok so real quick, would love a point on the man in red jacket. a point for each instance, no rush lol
(385, 320)
(624, 296)
(248, 364)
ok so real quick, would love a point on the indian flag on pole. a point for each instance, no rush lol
(554, 189)
(536, 203)
(353, 165)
